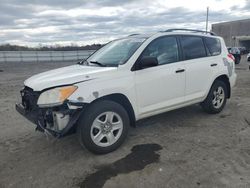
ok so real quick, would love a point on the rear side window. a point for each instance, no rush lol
(213, 45)
(193, 47)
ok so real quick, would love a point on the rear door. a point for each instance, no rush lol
(200, 66)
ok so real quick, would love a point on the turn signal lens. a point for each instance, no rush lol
(65, 92)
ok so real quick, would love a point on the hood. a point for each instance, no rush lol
(65, 76)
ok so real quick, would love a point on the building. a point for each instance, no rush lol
(235, 33)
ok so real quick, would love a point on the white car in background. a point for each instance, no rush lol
(248, 57)
(127, 80)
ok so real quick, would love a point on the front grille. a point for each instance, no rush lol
(29, 98)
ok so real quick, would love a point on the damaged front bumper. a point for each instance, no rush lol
(57, 121)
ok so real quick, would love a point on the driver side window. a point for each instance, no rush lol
(165, 49)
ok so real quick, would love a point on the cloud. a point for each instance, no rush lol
(246, 7)
(67, 4)
(30, 22)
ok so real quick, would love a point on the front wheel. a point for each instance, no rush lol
(216, 99)
(103, 127)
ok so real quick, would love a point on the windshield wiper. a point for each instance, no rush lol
(98, 63)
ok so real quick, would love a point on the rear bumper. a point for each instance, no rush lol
(233, 79)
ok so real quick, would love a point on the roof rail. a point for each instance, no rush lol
(192, 30)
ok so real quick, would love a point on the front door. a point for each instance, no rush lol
(162, 86)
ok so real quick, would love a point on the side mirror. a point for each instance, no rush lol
(147, 62)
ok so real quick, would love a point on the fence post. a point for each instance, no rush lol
(63, 55)
(77, 54)
(50, 56)
(4, 57)
(21, 56)
(37, 60)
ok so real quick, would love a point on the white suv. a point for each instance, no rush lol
(126, 80)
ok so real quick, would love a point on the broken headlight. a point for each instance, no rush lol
(56, 96)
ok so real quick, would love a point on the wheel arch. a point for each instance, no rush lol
(123, 101)
(224, 78)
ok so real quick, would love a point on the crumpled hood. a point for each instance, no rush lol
(66, 75)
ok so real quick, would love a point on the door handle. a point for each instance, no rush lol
(214, 64)
(180, 70)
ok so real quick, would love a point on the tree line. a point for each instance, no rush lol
(10, 47)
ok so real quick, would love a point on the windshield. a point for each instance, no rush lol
(116, 52)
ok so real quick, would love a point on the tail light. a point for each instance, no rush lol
(231, 57)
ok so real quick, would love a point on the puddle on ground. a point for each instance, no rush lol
(138, 159)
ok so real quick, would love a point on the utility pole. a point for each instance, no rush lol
(207, 19)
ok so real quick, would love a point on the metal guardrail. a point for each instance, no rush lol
(43, 56)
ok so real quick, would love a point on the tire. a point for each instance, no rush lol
(237, 60)
(216, 99)
(96, 127)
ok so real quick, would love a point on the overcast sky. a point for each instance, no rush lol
(47, 22)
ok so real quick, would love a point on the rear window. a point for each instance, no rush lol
(193, 47)
(213, 45)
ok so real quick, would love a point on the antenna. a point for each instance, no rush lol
(207, 19)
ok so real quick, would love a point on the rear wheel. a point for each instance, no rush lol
(103, 127)
(216, 99)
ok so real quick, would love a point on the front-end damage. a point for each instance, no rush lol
(58, 120)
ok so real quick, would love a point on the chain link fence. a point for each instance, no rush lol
(43, 56)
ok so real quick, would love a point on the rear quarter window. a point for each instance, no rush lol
(213, 45)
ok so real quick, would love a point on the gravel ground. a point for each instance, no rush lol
(182, 148)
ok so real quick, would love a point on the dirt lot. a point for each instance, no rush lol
(182, 148)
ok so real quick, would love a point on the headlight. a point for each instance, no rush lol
(56, 96)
